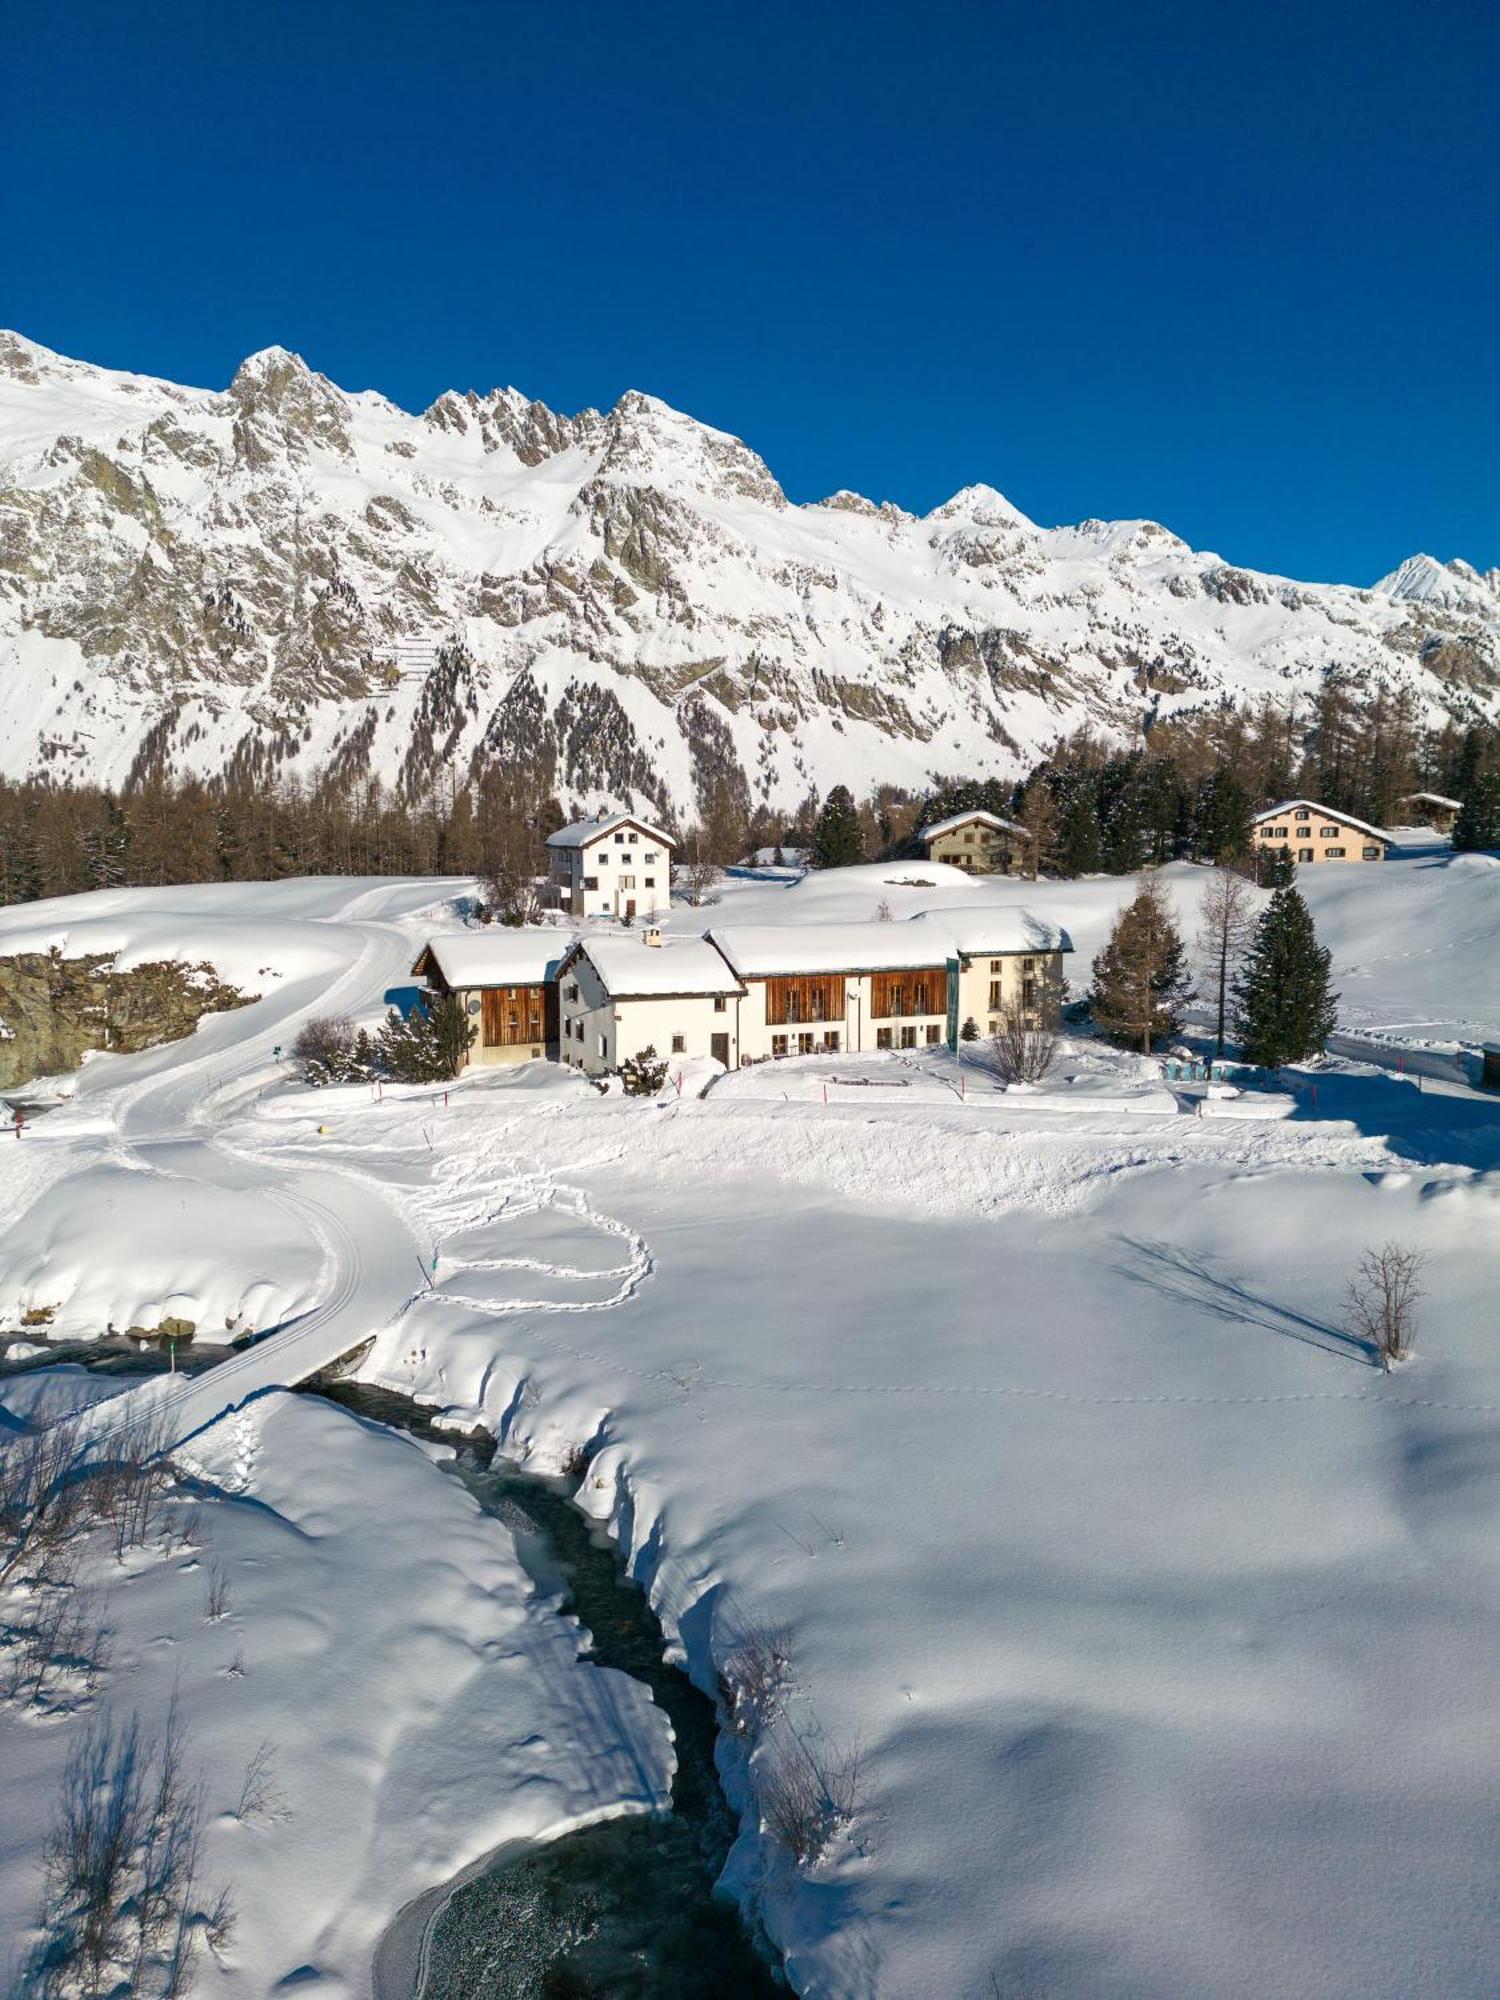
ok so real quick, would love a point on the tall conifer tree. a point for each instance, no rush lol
(1285, 1006)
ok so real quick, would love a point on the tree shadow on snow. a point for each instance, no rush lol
(1191, 1280)
(1429, 1128)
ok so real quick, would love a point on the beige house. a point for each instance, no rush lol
(507, 982)
(615, 866)
(1432, 809)
(980, 842)
(621, 993)
(1314, 834)
(1009, 963)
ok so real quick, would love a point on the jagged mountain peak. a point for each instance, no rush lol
(285, 575)
(1454, 585)
(983, 505)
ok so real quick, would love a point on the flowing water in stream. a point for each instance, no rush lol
(624, 1909)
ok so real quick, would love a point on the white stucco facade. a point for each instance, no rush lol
(621, 995)
(612, 867)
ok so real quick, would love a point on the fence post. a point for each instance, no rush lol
(825, 1093)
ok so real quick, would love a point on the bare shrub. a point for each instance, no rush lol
(260, 1795)
(57, 1486)
(807, 1792)
(754, 1678)
(511, 889)
(119, 1914)
(1020, 1053)
(1382, 1297)
(216, 1597)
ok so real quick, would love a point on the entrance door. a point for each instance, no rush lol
(630, 906)
(718, 1048)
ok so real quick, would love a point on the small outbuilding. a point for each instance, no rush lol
(1432, 809)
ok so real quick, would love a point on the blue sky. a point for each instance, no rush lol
(1236, 267)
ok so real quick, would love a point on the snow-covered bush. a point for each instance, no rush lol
(807, 1792)
(644, 1074)
(330, 1049)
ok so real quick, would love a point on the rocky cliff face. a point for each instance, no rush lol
(54, 1009)
(284, 575)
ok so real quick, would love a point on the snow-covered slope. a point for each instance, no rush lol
(283, 575)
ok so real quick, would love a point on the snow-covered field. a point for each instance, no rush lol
(1166, 1621)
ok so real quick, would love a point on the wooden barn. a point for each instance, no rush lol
(507, 982)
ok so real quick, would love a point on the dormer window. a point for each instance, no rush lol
(1302, 813)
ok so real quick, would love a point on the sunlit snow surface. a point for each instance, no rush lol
(1166, 1620)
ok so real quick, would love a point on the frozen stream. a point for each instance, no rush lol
(625, 1908)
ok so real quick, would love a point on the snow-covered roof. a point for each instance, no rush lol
(497, 956)
(631, 969)
(986, 930)
(1343, 819)
(1432, 799)
(957, 820)
(582, 831)
(758, 951)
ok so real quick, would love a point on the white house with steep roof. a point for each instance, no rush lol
(622, 992)
(614, 866)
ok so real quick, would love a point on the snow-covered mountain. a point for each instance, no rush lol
(283, 575)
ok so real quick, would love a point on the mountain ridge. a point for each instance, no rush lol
(283, 575)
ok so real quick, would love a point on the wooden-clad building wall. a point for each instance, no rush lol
(513, 1015)
(807, 996)
(905, 993)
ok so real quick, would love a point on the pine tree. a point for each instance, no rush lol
(1477, 828)
(836, 838)
(1140, 978)
(1275, 868)
(429, 1044)
(1221, 817)
(1285, 1007)
(1079, 848)
(643, 1075)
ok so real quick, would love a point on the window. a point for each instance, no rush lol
(604, 1048)
(831, 1042)
(619, 840)
(1372, 854)
(778, 1045)
(1328, 833)
(882, 1038)
(997, 965)
(650, 881)
(1028, 965)
(969, 839)
(591, 881)
(804, 1045)
(649, 857)
(995, 1001)
(633, 838)
(573, 991)
(626, 881)
(1302, 813)
(679, 1044)
(934, 1036)
(1028, 994)
(994, 1027)
(1279, 833)
(908, 1038)
(1304, 854)
(1333, 854)
(720, 1003)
